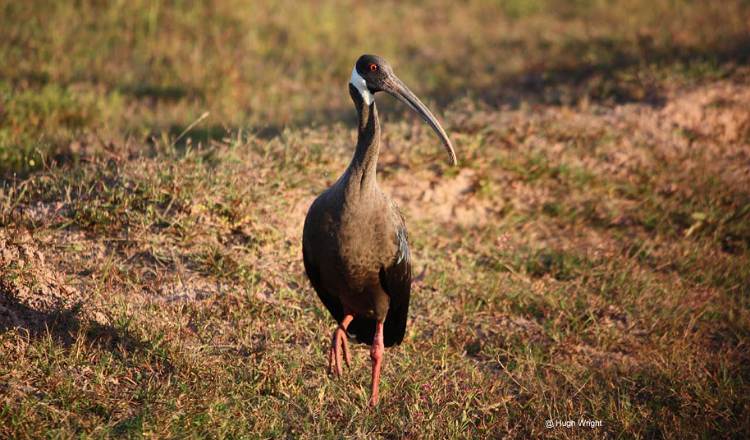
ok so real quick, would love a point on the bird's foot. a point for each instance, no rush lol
(339, 349)
(373, 401)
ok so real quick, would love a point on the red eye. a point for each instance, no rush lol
(373, 67)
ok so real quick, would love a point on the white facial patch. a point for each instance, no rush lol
(361, 85)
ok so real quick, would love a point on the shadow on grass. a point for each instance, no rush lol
(621, 73)
(65, 326)
(160, 93)
(612, 80)
(182, 135)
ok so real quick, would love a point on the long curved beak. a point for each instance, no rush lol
(398, 89)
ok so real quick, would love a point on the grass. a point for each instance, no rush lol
(589, 259)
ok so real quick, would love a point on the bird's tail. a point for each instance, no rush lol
(394, 327)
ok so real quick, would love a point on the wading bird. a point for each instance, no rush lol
(354, 241)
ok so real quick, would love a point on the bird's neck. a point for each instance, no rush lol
(364, 164)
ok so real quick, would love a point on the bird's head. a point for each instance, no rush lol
(372, 74)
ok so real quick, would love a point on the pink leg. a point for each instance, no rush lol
(376, 354)
(339, 347)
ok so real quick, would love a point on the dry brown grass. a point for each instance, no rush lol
(590, 258)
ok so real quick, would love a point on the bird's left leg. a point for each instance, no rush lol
(376, 354)
(339, 346)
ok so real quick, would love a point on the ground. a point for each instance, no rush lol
(589, 258)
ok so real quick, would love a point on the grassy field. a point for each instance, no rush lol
(588, 259)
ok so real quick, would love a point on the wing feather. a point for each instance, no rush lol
(396, 281)
(331, 302)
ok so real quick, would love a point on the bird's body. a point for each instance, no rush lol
(354, 244)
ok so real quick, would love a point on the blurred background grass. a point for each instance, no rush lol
(77, 72)
(589, 258)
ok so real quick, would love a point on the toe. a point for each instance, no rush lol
(347, 356)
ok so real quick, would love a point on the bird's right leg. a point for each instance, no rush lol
(376, 354)
(339, 347)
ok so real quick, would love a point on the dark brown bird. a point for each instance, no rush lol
(354, 242)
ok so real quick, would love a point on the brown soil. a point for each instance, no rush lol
(33, 295)
(451, 200)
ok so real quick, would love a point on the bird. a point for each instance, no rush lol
(354, 242)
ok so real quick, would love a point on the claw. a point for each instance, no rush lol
(339, 348)
(347, 356)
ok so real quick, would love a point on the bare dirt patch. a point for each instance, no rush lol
(705, 126)
(32, 293)
(192, 289)
(447, 200)
(720, 111)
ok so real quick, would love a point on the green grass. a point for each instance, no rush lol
(589, 259)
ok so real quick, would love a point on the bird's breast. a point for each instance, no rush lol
(357, 229)
(366, 239)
